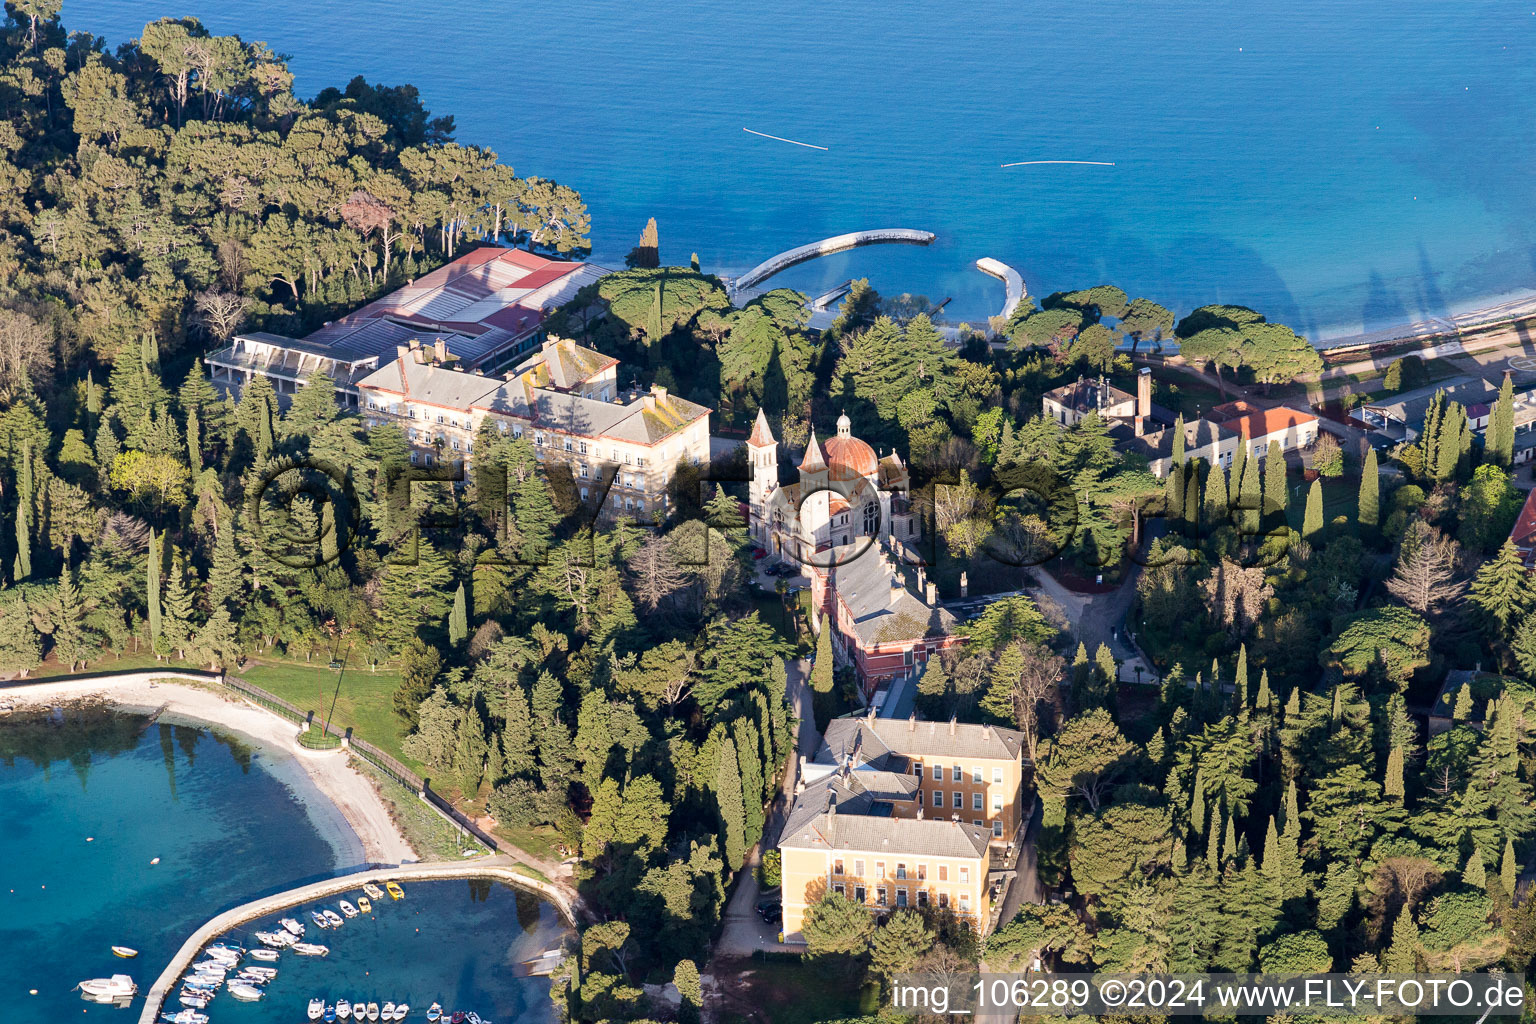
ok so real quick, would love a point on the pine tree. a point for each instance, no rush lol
(1104, 661)
(1392, 788)
(1312, 519)
(92, 404)
(25, 500)
(1462, 712)
(1402, 956)
(1503, 591)
(685, 978)
(1178, 440)
(155, 557)
(1475, 875)
(1369, 504)
(1501, 425)
(176, 625)
(732, 810)
(72, 644)
(1197, 809)
(1229, 840)
(458, 619)
(226, 575)
(1276, 486)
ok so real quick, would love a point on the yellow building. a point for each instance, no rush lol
(901, 813)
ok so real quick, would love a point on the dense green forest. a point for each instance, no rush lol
(1275, 803)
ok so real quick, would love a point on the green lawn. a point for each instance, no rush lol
(539, 841)
(433, 838)
(789, 990)
(362, 701)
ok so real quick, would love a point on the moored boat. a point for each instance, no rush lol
(387, 1011)
(264, 954)
(330, 1014)
(395, 892)
(343, 1010)
(332, 918)
(126, 952)
(401, 1009)
(457, 1017)
(316, 1008)
(364, 905)
(245, 992)
(434, 1011)
(265, 973)
(185, 1017)
(195, 1000)
(373, 891)
(347, 908)
(319, 919)
(373, 1011)
(310, 949)
(223, 949)
(106, 990)
(290, 925)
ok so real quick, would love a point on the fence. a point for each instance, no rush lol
(368, 752)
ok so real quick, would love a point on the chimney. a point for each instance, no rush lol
(919, 814)
(660, 392)
(912, 722)
(649, 401)
(951, 725)
(965, 583)
(869, 716)
(440, 351)
(1143, 395)
(931, 592)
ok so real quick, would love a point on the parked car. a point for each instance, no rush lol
(774, 914)
(759, 553)
(769, 899)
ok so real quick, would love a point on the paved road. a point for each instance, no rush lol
(1100, 619)
(744, 931)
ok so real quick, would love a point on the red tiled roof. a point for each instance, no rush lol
(1524, 532)
(1253, 422)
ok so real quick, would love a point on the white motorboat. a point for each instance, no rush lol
(107, 990)
(316, 1009)
(434, 1012)
(347, 908)
(310, 949)
(332, 918)
(387, 1011)
(319, 919)
(401, 1009)
(472, 1017)
(275, 940)
(211, 967)
(343, 1010)
(245, 993)
(260, 972)
(373, 891)
(224, 949)
(290, 925)
(187, 1016)
(373, 1011)
(268, 955)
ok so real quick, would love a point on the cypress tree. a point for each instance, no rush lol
(1393, 786)
(1178, 440)
(1239, 463)
(1216, 509)
(1312, 519)
(92, 403)
(1104, 661)
(1402, 956)
(1240, 678)
(1271, 861)
(1229, 840)
(1292, 823)
(1213, 842)
(154, 587)
(1248, 497)
(1369, 513)
(732, 811)
(1448, 444)
(458, 619)
(1509, 871)
(1276, 496)
(194, 442)
(1429, 436)
(1192, 497)
(224, 575)
(750, 766)
(1501, 425)
(1197, 809)
(1462, 712)
(1173, 494)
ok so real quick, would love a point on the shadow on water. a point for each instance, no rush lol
(1382, 308)
(1251, 280)
(1431, 301)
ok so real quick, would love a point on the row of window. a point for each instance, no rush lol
(958, 773)
(959, 804)
(576, 447)
(628, 504)
(901, 870)
(881, 894)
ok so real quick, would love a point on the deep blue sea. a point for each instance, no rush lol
(88, 798)
(1336, 164)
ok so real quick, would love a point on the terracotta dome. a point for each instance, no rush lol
(849, 458)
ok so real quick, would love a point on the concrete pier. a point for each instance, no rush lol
(825, 247)
(485, 867)
(1010, 277)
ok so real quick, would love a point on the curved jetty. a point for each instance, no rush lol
(827, 246)
(1010, 277)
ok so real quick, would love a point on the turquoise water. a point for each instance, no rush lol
(458, 943)
(1337, 165)
(89, 797)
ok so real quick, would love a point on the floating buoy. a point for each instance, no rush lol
(155, 861)
(90, 839)
(32, 991)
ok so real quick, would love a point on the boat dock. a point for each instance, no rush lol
(826, 299)
(487, 867)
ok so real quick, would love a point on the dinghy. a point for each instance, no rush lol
(127, 953)
(264, 954)
(364, 905)
(290, 925)
(395, 892)
(347, 908)
(434, 1012)
(310, 949)
(332, 918)
(244, 992)
(319, 919)
(373, 891)
(373, 1011)
(401, 1009)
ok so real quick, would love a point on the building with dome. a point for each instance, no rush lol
(845, 495)
(849, 521)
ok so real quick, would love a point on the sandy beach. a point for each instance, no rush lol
(352, 793)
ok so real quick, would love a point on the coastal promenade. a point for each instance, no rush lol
(497, 867)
